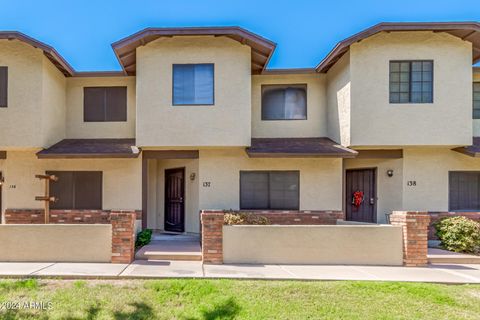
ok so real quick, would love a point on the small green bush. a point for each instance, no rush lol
(459, 234)
(233, 218)
(143, 238)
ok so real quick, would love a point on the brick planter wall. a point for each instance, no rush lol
(36, 216)
(435, 216)
(212, 237)
(415, 236)
(123, 236)
(212, 227)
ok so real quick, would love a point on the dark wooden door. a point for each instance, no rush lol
(175, 200)
(362, 180)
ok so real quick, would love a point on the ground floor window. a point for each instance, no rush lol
(275, 190)
(77, 189)
(464, 190)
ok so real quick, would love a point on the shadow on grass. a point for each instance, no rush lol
(226, 310)
(141, 311)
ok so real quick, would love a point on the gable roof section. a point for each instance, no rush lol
(468, 31)
(125, 49)
(58, 61)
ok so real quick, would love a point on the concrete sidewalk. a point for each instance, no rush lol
(439, 273)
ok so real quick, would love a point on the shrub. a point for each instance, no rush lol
(143, 238)
(233, 218)
(459, 234)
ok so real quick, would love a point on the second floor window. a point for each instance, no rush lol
(193, 84)
(284, 102)
(3, 87)
(476, 100)
(104, 104)
(411, 81)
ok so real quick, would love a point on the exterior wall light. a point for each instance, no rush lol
(192, 176)
(390, 173)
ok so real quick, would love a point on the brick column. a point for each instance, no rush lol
(415, 236)
(123, 236)
(212, 237)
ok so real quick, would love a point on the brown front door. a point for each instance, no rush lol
(175, 200)
(361, 181)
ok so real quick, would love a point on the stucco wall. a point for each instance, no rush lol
(40, 243)
(20, 122)
(446, 121)
(429, 167)
(227, 123)
(53, 104)
(122, 183)
(342, 244)
(389, 189)
(77, 128)
(339, 101)
(156, 197)
(320, 179)
(316, 123)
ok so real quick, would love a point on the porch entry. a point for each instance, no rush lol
(175, 200)
(361, 195)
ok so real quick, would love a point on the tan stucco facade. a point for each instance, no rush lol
(446, 121)
(339, 101)
(122, 182)
(35, 115)
(226, 123)
(320, 179)
(348, 104)
(316, 123)
(77, 128)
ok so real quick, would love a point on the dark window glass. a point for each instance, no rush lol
(104, 104)
(411, 81)
(464, 190)
(476, 100)
(193, 84)
(284, 102)
(3, 87)
(276, 190)
(77, 189)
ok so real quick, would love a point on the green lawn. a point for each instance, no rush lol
(236, 299)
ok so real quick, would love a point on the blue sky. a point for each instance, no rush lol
(304, 30)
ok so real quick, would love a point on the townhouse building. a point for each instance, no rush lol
(196, 120)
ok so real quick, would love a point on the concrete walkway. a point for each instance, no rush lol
(439, 273)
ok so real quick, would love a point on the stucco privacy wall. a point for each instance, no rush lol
(476, 122)
(226, 123)
(122, 183)
(429, 168)
(25, 77)
(77, 128)
(316, 123)
(389, 189)
(342, 244)
(320, 179)
(446, 121)
(156, 195)
(37, 243)
(339, 101)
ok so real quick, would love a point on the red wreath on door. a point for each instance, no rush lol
(357, 199)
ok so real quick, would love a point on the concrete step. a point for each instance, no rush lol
(170, 250)
(178, 256)
(444, 257)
